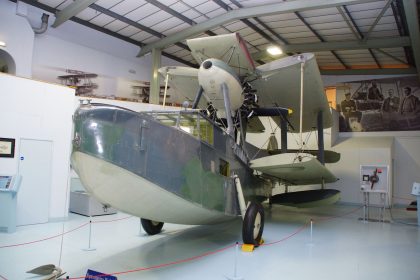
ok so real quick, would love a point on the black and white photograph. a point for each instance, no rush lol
(391, 104)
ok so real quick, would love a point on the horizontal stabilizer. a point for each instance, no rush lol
(306, 199)
(329, 156)
(294, 169)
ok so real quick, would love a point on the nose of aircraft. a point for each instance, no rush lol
(207, 64)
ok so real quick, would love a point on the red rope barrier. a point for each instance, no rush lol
(111, 221)
(339, 216)
(287, 237)
(44, 239)
(64, 233)
(183, 260)
(162, 265)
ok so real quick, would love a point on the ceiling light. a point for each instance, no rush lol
(274, 50)
(2, 44)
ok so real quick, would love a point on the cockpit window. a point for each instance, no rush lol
(190, 122)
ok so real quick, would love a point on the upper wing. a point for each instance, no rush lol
(230, 48)
(183, 82)
(279, 85)
(290, 170)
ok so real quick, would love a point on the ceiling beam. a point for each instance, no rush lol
(402, 28)
(102, 29)
(247, 22)
(391, 56)
(133, 23)
(71, 10)
(349, 21)
(176, 14)
(410, 10)
(356, 30)
(237, 14)
(302, 19)
(378, 18)
(268, 28)
(382, 71)
(342, 45)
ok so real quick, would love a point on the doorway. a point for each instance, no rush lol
(7, 63)
(33, 201)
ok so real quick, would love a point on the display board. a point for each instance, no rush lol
(375, 178)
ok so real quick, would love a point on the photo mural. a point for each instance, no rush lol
(391, 104)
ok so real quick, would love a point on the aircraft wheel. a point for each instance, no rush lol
(253, 224)
(151, 227)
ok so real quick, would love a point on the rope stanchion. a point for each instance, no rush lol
(89, 248)
(235, 265)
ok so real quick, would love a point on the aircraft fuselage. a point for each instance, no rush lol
(165, 166)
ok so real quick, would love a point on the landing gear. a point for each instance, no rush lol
(253, 224)
(151, 227)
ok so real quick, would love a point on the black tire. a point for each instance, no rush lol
(253, 224)
(151, 227)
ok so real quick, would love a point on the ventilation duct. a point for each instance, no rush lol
(44, 24)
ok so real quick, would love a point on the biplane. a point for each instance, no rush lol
(194, 165)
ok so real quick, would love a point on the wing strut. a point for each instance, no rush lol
(301, 58)
(198, 97)
(283, 131)
(320, 127)
(226, 98)
(166, 88)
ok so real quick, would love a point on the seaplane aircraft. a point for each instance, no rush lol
(194, 165)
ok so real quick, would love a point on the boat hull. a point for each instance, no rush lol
(169, 167)
(133, 194)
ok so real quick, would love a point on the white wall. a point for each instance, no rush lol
(42, 111)
(16, 32)
(355, 152)
(406, 167)
(70, 46)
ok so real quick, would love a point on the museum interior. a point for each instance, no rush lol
(199, 139)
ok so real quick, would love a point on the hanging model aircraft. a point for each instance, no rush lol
(194, 166)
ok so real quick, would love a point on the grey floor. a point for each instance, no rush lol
(340, 247)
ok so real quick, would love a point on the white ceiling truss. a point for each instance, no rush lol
(347, 36)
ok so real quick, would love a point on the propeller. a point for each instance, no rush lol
(51, 271)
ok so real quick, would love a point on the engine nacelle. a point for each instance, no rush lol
(211, 75)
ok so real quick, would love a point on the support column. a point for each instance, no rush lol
(155, 79)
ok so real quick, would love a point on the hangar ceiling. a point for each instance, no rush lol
(347, 36)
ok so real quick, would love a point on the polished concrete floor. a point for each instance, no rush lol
(340, 247)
